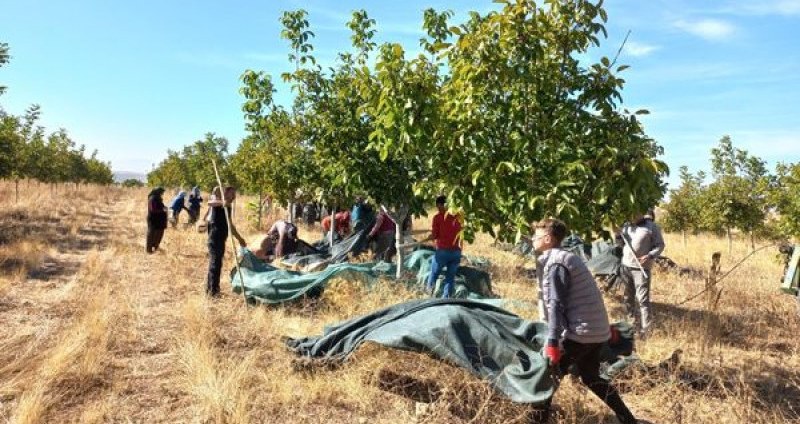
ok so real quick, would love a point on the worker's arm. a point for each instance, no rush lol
(214, 201)
(558, 277)
(658, 243)
(236, 234)
(378, 223)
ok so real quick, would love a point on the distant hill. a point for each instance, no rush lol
(120, 176)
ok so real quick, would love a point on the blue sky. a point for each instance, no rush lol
(133, 79)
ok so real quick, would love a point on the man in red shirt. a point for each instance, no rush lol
(446, 230)
(342, 219)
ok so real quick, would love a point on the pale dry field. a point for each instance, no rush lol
(92, 329)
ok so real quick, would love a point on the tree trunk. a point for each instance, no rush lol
(752, 241)
(730, 241)
(712, 298)
(16, 191)
(289, 211)
(684, 238)
(259, 209)
(333, 227)
(398, 217)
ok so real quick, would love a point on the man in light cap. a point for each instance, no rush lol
(642, 243)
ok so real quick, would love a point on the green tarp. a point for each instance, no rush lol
(484, 339)
(266, 284)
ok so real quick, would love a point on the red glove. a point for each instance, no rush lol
(554, 353)
(614, 336)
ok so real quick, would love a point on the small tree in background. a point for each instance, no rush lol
(737, 198)
(683, 209)
(784, 195)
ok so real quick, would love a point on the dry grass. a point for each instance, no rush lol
(76, 367)
(95, 330)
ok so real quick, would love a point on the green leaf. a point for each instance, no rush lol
(475, 176)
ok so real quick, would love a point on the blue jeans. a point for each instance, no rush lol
(444, 259)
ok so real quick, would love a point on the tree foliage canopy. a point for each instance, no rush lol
(27, 152)
(497, 112)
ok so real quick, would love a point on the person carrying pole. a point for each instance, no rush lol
(641, 243)
(577, 321)
(218, 235)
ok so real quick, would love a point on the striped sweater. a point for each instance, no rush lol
(574, 305)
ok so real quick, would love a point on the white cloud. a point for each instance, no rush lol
(773, 145)
(639, 49)
(765, 7)
(709, 29)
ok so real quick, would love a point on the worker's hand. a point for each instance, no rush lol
(615, 336)
(553, 353)
(242, 242)
(644, 259)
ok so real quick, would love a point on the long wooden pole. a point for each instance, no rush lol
(230, 232)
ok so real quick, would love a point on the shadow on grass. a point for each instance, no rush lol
(51, 231)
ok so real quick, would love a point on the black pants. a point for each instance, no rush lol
(154, 236)
(216, 253)
(586, 359)
(194, 213)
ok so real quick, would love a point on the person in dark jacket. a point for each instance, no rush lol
(575, 313)
(218, 235)
(156, 219)
(195, 200)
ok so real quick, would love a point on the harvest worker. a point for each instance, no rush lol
(342, 221)
(218, 234)
(445, 229)
(361, 215)
(382, 235)
(574, 310)
(156, 219)
(194, 205)
(176, 205)
(281, 240)
(642, 243)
